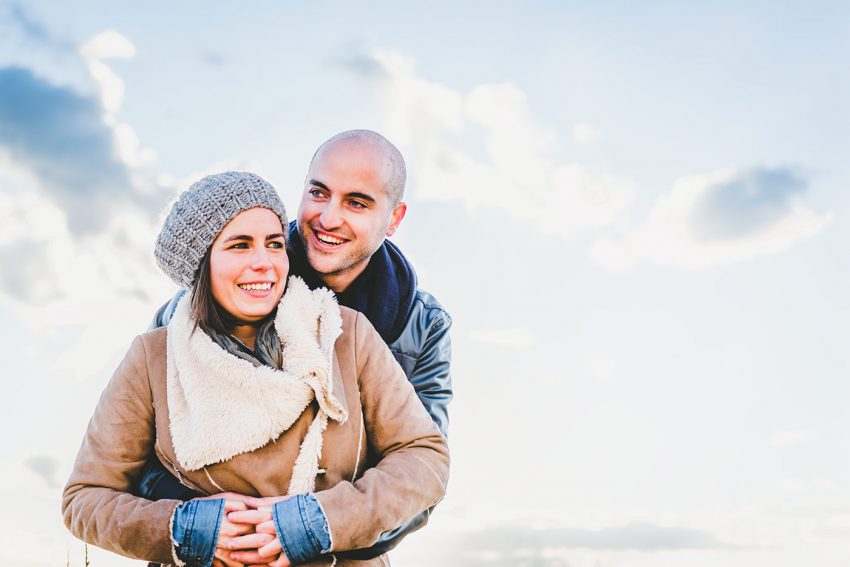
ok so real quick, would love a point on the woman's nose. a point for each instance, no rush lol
(261, 261)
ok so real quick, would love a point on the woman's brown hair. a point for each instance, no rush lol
(208, 314)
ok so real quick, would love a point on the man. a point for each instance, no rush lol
(352, 201)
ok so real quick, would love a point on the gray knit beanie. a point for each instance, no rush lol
(201, 212)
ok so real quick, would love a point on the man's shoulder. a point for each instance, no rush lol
(426, 306)
(427, 317)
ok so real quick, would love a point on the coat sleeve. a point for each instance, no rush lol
(97, 504)
(431, 374)
(413, 467)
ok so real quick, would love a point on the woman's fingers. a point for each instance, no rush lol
(265, 502)
(265, 554)
(249, 541)
(271, 549)
(221, 557)
(227, 496)
(250, 516)
(266, 527)
(232, 529)
(281, 561)
(234, 505)
(250, 557)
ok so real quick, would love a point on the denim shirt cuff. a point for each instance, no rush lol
(301, 528)
(195, 531)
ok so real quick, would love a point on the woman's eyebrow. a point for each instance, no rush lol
(238, 237)
(276, 235)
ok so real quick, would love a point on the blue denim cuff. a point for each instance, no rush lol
(195, 531)
(302, 528)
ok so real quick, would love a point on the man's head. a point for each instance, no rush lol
(352, 200)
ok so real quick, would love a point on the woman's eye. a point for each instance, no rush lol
(275, 244)
(239, 246)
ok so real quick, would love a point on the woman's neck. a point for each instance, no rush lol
(246, 333)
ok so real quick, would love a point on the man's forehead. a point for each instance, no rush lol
(349, 169)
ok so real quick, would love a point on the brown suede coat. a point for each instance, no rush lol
(385, 464)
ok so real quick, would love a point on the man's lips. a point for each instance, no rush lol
(326, 239)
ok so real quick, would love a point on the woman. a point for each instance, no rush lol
(252, 392)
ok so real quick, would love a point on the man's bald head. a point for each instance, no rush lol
(392, 166)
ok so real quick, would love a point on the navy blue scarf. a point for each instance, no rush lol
(384, 292)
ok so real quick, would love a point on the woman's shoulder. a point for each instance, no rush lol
(355, 325)
(149, 348)
(349, 317)
(154, 339)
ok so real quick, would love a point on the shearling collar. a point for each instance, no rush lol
(210, 390)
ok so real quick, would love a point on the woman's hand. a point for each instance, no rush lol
(263, 546)
(228, 529)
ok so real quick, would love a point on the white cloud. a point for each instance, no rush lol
(434, 124)
(129, 148)
(602, 368)
(586, 134)
(518, 337)
(110, 84)
(789, 438)
(710, 220)
(108, 44)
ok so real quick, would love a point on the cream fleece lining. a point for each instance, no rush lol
(221, 406)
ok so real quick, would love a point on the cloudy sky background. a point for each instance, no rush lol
(637, 217)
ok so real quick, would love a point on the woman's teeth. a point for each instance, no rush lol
(257, 286)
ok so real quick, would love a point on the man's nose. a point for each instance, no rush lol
(331, 216)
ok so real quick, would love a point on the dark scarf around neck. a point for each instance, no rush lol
(384, 292)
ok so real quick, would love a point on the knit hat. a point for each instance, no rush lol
(201, 212)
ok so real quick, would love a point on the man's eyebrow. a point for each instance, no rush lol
(353, 195)
(361, 196)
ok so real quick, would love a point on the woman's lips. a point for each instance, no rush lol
(257, 289)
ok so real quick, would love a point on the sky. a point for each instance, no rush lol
(636, 215)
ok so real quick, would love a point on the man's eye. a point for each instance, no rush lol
(358, 204)
(317, 193)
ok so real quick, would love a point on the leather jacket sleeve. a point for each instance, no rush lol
(424, 351)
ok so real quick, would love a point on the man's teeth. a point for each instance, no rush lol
(257, 286)
(328, 239)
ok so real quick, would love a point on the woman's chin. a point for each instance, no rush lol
(255, 312)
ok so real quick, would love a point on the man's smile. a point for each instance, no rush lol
(327, 240)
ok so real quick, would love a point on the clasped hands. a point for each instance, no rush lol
(247, 534)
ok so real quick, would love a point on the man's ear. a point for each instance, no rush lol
(397, 215)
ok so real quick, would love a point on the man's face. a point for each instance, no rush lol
(345, 212)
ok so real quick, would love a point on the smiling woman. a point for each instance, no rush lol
(244, 271)
(286, 410)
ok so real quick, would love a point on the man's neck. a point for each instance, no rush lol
(339, 282)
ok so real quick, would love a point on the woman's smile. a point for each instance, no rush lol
(249, 265)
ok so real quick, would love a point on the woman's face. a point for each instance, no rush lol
(248, 265)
